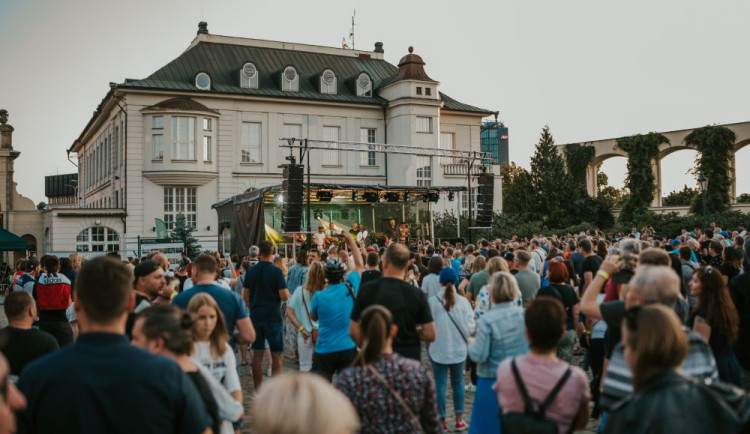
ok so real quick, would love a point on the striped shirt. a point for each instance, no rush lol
(618, 383)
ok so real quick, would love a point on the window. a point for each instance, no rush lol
(424, 124)
(419, 90)
(367, 135)
(249, 76)
(157, 140)
(331, 134)
(206, 124)
(203, 81)
(465, 202)
(251, 142)
(179, 200)
(158, 122)
(424, 172)
(290, 79)
(364, 85)
(328, 82)
(98, 239)
(447, 142)
(292, 131)
(183, 138)
(427, 91)
(207, 148)
(116, 147)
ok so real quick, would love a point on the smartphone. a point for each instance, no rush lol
(335, 233)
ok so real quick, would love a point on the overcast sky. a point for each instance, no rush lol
(589, 69)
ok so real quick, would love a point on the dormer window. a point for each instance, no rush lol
(328, 82)
(364, 85)
(203, 81)
(249, 76)
(290, 80)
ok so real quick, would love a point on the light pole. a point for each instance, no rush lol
(703, 184)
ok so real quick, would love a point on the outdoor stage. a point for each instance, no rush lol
(247, 218)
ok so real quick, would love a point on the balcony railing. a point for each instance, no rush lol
(459, 169)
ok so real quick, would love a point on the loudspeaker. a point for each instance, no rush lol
(292, 183)
(486, 184)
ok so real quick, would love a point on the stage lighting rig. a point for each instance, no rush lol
(391, 196)
(324, 195)
(370, 196)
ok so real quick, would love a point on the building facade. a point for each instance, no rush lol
(207, 126)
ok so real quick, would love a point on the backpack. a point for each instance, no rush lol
(532, 419)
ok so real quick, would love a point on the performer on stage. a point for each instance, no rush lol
(403, 233)
(392, 234)
(319, 238)
(354, 230)
(362, 235)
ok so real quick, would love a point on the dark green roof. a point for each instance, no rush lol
(223, 62)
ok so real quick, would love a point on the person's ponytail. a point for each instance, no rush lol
(375, 327)
(449, 296)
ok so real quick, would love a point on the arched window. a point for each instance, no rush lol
(328, 82)
(98, 239)
(290, 79)
(249, 76)
(364, 85)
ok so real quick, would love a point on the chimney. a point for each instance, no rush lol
(202, 28)
(6, 131)
(378, 47)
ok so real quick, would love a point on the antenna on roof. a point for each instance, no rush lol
(344, 45)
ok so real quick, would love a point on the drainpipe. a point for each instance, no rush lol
(385, 141)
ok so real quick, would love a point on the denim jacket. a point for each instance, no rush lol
(500, 334)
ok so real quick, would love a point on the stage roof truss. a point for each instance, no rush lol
(294, 143)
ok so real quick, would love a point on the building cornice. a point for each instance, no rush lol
(180, 177)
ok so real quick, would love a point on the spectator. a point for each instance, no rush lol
(298, 272)
(731, 264)
(454, 323)
(687, 268)
(264, 289)
(316, 407)
(715, 319)
(52, 293)
(538, 255)
(372, 267)
(335, 349)
(529, 282)
(11, 399)
(204, 269)
(71, 390)
(739, 288)
(26, 281)
(391, 393)
(166, 330)
(431, 282)
(559, 289)
(715, 250)
(148, 284)
(663, 400)
(591, 263)
(19, 341)
(539, 372)
(499, 335)
(407, 304)
(479, 277)
(299, 315)
(482, 303)
(211, 347)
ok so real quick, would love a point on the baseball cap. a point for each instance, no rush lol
(31, 264)
(676, 242)
(448, 274)
(144, 268)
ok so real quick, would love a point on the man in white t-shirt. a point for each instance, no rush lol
(319, 238)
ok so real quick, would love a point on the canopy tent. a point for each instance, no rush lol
(11, 242)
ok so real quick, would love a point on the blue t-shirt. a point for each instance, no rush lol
(456, 265)
(333, 306)
(229, 302)
(265, 280)
(102, 384)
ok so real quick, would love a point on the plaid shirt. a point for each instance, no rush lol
(618, 383)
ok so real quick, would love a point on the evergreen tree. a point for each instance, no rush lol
(517, 189)
(550, 182)
(182, 231)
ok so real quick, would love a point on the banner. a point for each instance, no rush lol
(161, 229)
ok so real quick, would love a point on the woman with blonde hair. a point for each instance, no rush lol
(476, 265)
(655, 347)
(500, 334)
(482, 303)
(300, 404)
(298, 314)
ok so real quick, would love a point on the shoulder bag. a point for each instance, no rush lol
(447, 312)
(395, 394)
(314, 331)
(532, 420)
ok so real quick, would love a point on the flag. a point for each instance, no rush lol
(161, 229)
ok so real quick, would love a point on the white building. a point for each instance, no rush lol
(206, 126)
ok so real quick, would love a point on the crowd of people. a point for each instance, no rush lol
(662, 326)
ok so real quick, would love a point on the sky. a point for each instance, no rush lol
(588, 69)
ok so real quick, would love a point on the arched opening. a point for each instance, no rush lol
(46, 241)
(613, 170)
(678, 180)
(30, 243)
(742, 176)
(98, 239)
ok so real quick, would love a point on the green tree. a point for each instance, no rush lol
(642, 150)
(577, 160)
(715, 145)
(517, 189)
(680, 198)
(184, 232)
(550, 182)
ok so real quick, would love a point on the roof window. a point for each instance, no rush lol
(290, 79)
(328, 82)
(203, 81)
(249, 76)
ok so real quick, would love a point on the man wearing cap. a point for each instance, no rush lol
(28, 279)
(148, 283)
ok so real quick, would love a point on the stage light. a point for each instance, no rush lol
(280, 199)
(451, 196)
(355, 195)
(391, 196)
(370, 196)
(430, 196)
(318, 215)
(407, 196)
(324, 195)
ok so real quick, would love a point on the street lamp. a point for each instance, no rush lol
(703, 184)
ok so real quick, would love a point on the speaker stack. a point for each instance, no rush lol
(291, 218)
(486, 184)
